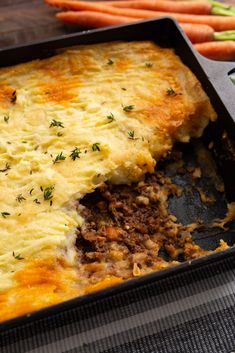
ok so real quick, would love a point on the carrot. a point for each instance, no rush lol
(193, 7)
(198, 33)
(91, 19)
(217, 50)
(204, 33)
(219, 23)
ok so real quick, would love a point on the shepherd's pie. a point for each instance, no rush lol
(90, 114)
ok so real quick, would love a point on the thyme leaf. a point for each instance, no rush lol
(131, 135)
(110, 117)
(47, 194)
(110, 62)
(59, 157)
(37, 201)
(128, 108)
(13, 97)
(7, 167)
(95, 146)
(170, 91)
(5, 214)
(6, 118)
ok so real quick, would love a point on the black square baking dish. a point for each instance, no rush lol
(214, 77)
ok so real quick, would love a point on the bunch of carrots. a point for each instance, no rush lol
(209, 25)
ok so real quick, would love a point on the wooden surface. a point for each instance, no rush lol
(24, 21)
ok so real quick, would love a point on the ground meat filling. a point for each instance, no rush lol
(129, 230)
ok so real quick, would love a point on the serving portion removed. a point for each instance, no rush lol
(88, 115)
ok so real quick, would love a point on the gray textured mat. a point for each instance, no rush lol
(189, 312)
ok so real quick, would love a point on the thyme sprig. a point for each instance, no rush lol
(20, 198)
(17, 257)
(47, 193)
(56, 123)
(75, 153)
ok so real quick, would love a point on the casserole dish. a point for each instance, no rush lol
(224, 127)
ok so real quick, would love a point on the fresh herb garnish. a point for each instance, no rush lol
(6, 118)
(7, 167)
(59, 134)
(41, 188)
(95, 146)
(75, 153)
(5, 214)
(31, 191)
(47, 194)
(170, 92)
(56, 123)
(128, 108)
(110, 62)
(59, 157)
(37, 201)
(110, 117)
(131, 135)
(148, 64)
(123, 88)
(17, 257)
(20, 198)
(13, 97)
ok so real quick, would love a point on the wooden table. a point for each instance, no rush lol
(23, 21)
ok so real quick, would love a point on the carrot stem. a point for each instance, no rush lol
(225, 35)
(232, 78)
(222, 9)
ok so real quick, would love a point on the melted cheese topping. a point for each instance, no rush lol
(123, 105)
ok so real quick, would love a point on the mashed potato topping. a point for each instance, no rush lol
(68, 123)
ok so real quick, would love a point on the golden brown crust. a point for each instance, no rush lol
(153, 100)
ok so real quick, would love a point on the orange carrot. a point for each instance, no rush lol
(217, 50)
(198, 33)
(193, 7)
(91, 19)
(219, 23)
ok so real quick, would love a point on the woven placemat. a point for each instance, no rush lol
(188, 312)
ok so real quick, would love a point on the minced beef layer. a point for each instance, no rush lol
(129, 231)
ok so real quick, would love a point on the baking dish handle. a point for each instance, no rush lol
(218, 73)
